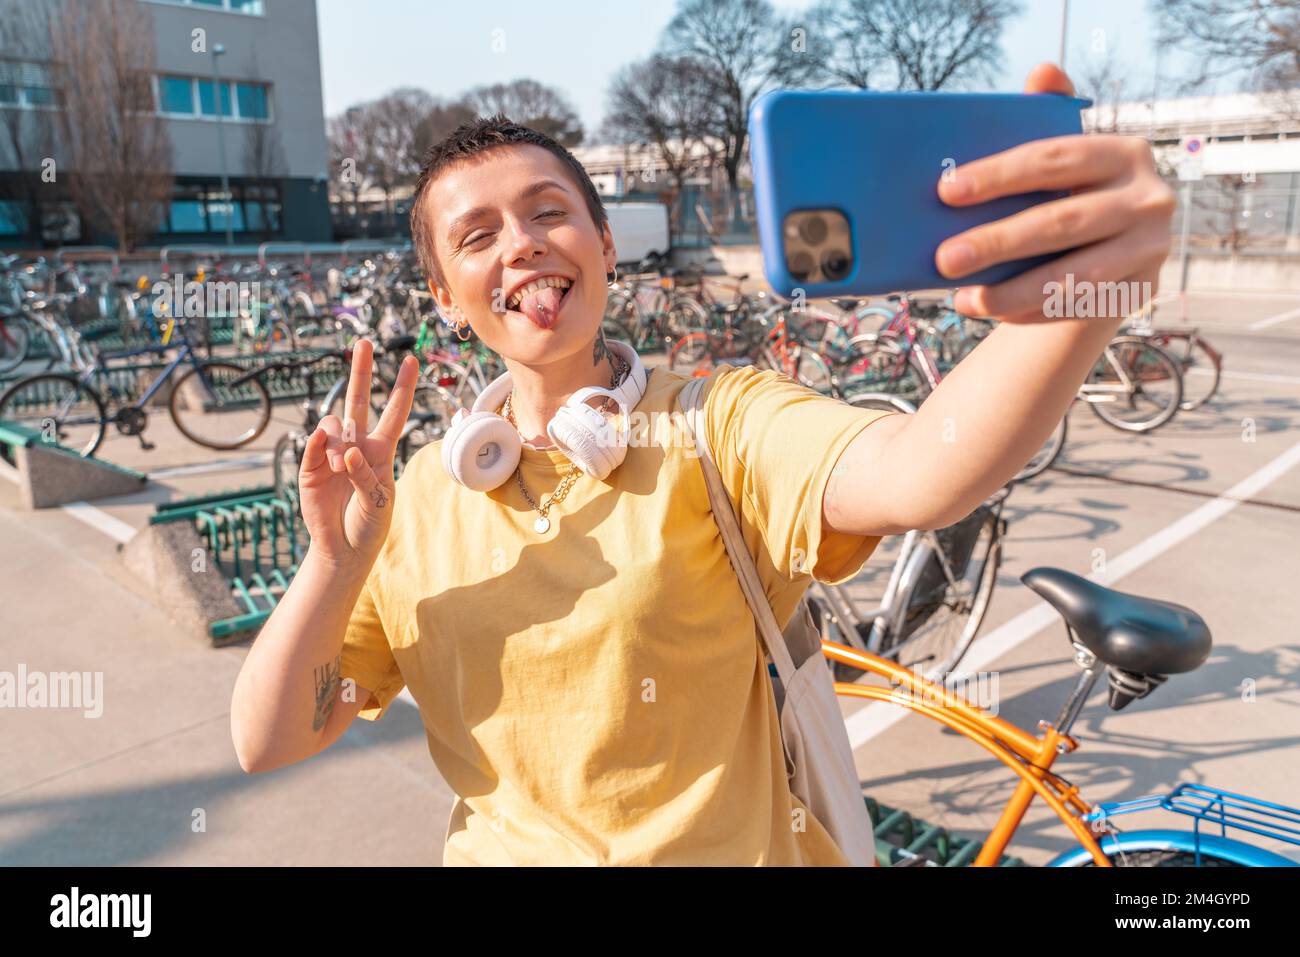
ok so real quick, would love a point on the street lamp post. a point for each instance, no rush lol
(1065, 21)
(217, 50)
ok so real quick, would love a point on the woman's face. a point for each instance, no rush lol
(502, 221)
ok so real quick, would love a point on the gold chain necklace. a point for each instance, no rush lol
(543, 524)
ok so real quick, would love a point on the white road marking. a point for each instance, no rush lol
(1273, 320)
(100, 520)
(1255, 376)
(202, 468)
(869, 721)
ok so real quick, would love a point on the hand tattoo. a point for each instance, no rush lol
(327, 686)
(378, 497)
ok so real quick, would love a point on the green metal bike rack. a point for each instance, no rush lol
(255, 541)
(905, 841)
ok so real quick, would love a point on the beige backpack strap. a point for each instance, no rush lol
(691, 404)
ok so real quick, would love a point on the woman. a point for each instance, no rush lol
(586, 668)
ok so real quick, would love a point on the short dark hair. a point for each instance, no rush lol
(469, 140)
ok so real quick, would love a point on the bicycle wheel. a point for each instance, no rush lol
(692, 355)
(285, 464)
(683, 316)
(1143, 384)
(1047, 455)
(1162, 857)
(431, 412)
(1201, 366)
(960, 339)
(61, 407)
(15, 343)
(211, 412)
(832, 629)
(944, 616)
(802, 364)
(881, 401)
(881, 366)
(622, 319)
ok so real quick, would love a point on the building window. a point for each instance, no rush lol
(176, 94)
(196, 97)
(208, 102)
(262, 208)
(205, 208)
(223, 209)
(25, 84)
(251, 98)
(13, 218)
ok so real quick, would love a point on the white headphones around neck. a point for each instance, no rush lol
(481, 448)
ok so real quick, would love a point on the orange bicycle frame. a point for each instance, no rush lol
(1030, 757)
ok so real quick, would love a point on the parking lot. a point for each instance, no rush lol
(1204, 512)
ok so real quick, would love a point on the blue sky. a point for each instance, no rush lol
(368, 48)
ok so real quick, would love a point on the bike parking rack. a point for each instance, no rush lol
(231, 554)
(905, 841)
(51, 474)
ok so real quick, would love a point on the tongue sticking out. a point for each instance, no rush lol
(542, 306)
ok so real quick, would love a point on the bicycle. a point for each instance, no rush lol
(1189, 349)
(1138, 642)
(463, 369)
(767, 342)
(73, 409)
(666, 319)
(937, 594)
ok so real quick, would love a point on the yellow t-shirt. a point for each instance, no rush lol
(598, 694)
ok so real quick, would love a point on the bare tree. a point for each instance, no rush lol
(343, 133)
(1230, 36)
(441, 120)
(667, 102)
(264, 164)
(375, 144)
(530, 104)
(27, 134)
(1103, 81)
(388, 147)
(749, 48)
(1222, 199)
(912, 44)
(264, 159)
(117, 146)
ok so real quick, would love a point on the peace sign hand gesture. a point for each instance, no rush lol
(345, 483)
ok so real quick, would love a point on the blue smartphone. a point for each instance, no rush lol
(845, 183)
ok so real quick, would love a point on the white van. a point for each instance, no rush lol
(639, 229)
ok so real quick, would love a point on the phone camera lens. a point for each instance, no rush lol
(801, 265)
(835, 265)
(814, 230)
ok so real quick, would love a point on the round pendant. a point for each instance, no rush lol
(542, 525)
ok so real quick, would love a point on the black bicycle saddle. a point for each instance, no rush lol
(1142, 636)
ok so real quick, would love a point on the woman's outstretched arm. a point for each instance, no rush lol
(989, 416)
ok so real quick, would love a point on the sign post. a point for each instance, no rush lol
(1190, 170)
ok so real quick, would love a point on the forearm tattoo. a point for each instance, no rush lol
(327, 688)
